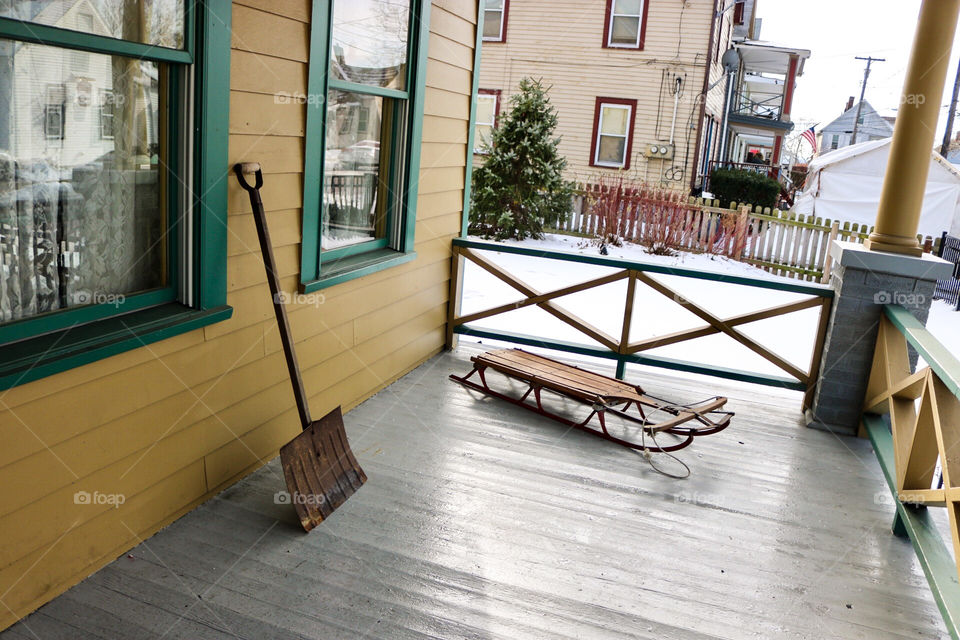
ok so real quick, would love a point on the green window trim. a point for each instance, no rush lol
(471, 132)
(34, 348)
(368, 257)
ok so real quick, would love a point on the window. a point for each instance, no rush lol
(98, 229)
(738, 11)
(106, 114)
(495, 20)
(53, 110)
(363, 142)
(625, 24)
(835, 141)
(488, 110)
(613, 133)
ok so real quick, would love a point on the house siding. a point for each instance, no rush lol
(172, 424)
(561, 42)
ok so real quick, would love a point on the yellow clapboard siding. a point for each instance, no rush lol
(437, 154)
(451, 25)
(267, 33)
(252, 305)
(275, 153)
(247, 270)
(264, 115)
(441, 75)
(466, 9)
(295, 9)
(259, 74)
(437, 129)
(265, 441)
(284, 230)
(435, 179)
(41, 422)
(282, 191)
(447, 103)
(451, 52)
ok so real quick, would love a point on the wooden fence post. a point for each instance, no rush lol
(828, 261)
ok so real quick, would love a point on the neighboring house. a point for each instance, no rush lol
(167, 387)
(637, 84)
(760, 105)
(871, 126)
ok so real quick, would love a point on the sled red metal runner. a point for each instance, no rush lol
(604, 395)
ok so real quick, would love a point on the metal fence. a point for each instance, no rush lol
(949, 288)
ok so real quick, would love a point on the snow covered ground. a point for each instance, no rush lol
(790, 336)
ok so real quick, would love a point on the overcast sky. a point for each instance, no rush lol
(836, 31)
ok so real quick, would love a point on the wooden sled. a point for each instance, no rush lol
(602, 394)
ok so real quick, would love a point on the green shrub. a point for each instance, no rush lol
(520, 184)
(744, 187)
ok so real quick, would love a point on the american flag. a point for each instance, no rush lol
(810, 137)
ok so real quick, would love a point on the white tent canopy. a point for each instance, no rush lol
(845, 185)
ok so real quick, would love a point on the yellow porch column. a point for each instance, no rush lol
(904, 183)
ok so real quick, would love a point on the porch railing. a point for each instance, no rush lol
(910, 441)
(948, 289)
(620, 347)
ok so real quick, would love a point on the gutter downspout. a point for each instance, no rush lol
(703, 94)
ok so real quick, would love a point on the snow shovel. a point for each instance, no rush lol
(318, 465)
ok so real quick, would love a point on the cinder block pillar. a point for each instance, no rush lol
(864, 281)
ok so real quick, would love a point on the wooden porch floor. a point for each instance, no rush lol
(481, 520)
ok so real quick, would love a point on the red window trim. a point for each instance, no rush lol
(738, 10)
(643, 28)
(496, 108)
(503, 24)
(596, 131)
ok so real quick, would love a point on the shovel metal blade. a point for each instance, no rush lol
(320, 469)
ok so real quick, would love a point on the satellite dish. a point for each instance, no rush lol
(730, 60)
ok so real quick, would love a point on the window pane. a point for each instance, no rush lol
(628, 7)
(614, 120)
(494, 4)
(625, 30)
(483, 137)
(81, 213)
(370, 42)
(491, 24)
(157, 22)
(357, 167)
(611, 150)
(486, 109)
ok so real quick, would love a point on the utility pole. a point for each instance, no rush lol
(948, 133)
(863, 91)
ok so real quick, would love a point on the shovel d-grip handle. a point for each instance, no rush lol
(270, 265)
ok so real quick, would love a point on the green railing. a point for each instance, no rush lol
(909, 441)
(621, 348)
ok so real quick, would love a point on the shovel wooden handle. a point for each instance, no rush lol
(270, 265)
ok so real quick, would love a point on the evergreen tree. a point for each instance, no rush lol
(520, 185)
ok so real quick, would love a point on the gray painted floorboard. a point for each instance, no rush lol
(481, 520)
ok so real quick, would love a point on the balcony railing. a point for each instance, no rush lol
(770, 108)
(774, 172)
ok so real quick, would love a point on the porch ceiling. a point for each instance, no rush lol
(482, 520)
(764, 57)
